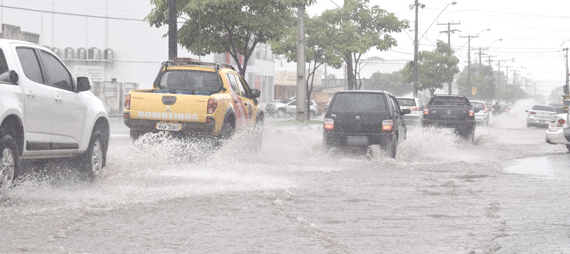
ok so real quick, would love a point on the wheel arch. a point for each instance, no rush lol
(12, 125)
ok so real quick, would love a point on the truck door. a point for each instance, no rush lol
(248, 103)
(69, 108)
(38, 101)
(241, 111)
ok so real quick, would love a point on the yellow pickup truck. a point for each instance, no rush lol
(196, 99)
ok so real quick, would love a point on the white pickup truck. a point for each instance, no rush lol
(46, 113)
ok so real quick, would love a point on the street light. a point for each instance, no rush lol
(416, 5)
(452, 3)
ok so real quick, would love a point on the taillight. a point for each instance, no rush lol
(127, 102)
(387, 125)
(486, 110)
(560, 122)
(328, 124)
(426, 111)
(471, 112)
(415, 108)
(212, 105)
(532, 113)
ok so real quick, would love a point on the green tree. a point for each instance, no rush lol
(434, 68)
(356, 29)
(228, 26)
(319, 49)
(483, 81)
(391, 82)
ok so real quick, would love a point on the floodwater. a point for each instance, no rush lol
(508, 193)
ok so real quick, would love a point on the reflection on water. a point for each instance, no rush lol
(554, 166)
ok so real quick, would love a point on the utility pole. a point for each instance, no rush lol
(449, 31)
(566, 87)
(301, 88)
(469, 57)
(416, 53)
(172, 30)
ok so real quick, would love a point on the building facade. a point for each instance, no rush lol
(110, 42)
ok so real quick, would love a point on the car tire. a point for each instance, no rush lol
(9, 162)
(136, 134)
(93, 159)
(281, 113)
(568, 147)
(391, 148)
(327, 145)
(227, 131)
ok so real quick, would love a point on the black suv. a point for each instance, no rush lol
(362, 118)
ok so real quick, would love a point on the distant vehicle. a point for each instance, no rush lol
(416, 107)
(483, 115)
(558, 131)
(288, 107)
(540, 115)
(451, 111)
(363, 118)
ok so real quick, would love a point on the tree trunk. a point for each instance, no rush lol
(350, 73)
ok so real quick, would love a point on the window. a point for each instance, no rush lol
(242, 87)
(57, 74)
(30, 64)
(406, 102)
(4, 77)
(359, 102)
(233, 83)
(185, 80)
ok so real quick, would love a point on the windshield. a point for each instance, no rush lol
(359, 102)
(406, 102)
(478, 105)
(449, 101)
(543, 108)
(185, 80)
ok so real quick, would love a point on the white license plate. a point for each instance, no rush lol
(357, 140)
(168, 126)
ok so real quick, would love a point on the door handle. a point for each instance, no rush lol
(58, 98)
(30, 94)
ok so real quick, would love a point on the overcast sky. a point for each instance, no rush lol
(533, 33)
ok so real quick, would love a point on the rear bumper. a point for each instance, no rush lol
(188, 128)
(537, 121)
(555, 135)
(333, 138)
(459, 126)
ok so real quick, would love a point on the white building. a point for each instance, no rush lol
(110, 42)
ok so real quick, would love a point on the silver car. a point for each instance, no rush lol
(540, 115)
(413, 104)
(483, 115)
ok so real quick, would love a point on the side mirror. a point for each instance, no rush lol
(406, 111)
(83, 84)
(255, 93)
(526, 111)
(14, 78)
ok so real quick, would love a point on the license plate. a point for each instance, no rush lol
(357, 140)
(168, 126)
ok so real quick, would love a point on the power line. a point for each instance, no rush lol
(71, 14)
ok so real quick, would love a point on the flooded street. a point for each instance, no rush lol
(508, 193)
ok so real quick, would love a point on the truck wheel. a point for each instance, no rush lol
(327, 145)
(94, 158)
(9, 163)
(227, 131)
(281, 113)
(136, 134)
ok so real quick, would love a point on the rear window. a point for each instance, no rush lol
(478, 105)
(543, 108)
(359, 102)
(406, 102)
(184, 80)
(449, 101)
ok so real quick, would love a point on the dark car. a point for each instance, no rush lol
(451, 111)
(363, 118)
